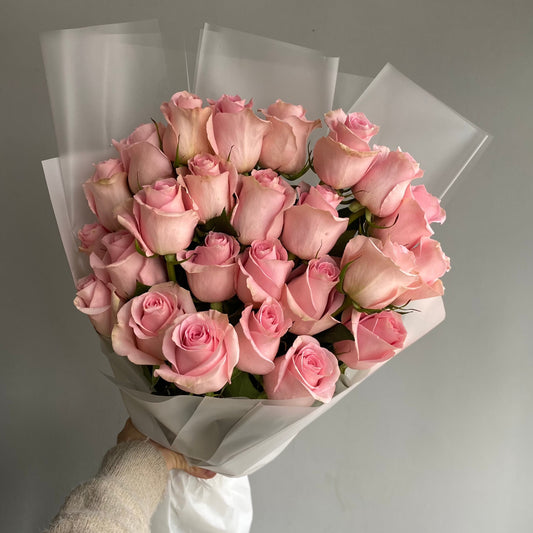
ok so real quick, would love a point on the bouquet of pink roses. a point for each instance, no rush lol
(222, 277)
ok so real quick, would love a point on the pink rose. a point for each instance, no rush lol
(353, 130)
(382, 188)
(312, 227)
(262, 198)
(342, 158)
(144, 133)
(378, 337)
(211, 268)
(311, 297)
(142, 322)
(90, 236)
(307, 372)
(285, 145)
(202, 349)
(187, 121)
(211, 183)
(263, 270)
(377, 273)
(411, 221)
(95, 299)
(106, 189)
(259, 333)
(122, 266)
(161, 218)
(235, 132)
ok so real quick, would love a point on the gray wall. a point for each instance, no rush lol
(438, 440)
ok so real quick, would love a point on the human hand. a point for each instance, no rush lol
(172, 459)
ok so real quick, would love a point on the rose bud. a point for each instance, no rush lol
(97, 300)
(235, 132)
(382, 188)
(312, 227)
(142, 322)
(259, 333)
(105, 190)
(310, 298)
(342, 158)
(285, 145)
(376, 274)
(307, 372)
(122, 266)
(377, 338)
(211, 183)
(211, 268)
(263, 270)
(90, 236)
(202, 349)
(186, 129)
(144, 133)
(262, 198)
(161, 217)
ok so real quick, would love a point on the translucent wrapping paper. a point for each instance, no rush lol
(104, 81)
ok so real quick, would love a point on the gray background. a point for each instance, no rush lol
(438, 440)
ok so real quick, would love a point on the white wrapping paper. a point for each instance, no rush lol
(232, 436)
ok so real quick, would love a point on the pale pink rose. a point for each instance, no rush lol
(202, 349)
(235, 132)
(311, 297)
(262, 198)
(430, 265)
(378, 337)
(429, 203)
(312, 227)
(407, 225)
(353, 130)
(144, 133)
(377, 273)
(105, 190)
(342, 158)
(383, 187)
(99, 302)
(211, 268)
(142, 322)
(307, 372)
(263, 270)
(90, 236)
(161, 217)
(259, 333)
(122, 266)
(187, 121)
(285, 145)
(211, 183)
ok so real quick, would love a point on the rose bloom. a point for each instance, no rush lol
(382, 188)
(262, 198)
(99, 302)
(211, 268)
(90, 236)
(263, 270)
(202, 350)
(285, 145)
(106, 189)
(187, 121)
(235, 132)
(310, 296)
(122, 266)
(411, 221)
(211, 184)
(378, 337)
(312, 227)
(162, 217)
(342, 158)
(259, 334)
(142, 157)
(307, 372)
(142, 322)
